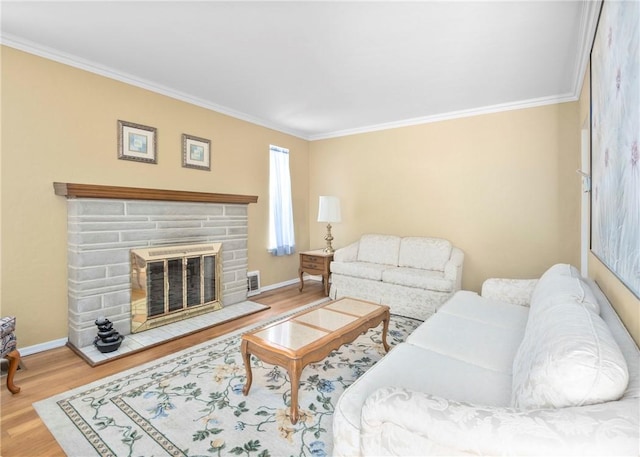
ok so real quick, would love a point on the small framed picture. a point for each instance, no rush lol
(196, 152)
(137, 142)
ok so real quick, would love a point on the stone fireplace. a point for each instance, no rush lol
(105, 224)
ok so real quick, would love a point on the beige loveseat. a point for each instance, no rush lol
(412, 275)
(531, 367)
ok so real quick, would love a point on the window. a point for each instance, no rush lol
(281, 236)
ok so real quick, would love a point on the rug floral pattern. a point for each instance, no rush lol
(191, 404)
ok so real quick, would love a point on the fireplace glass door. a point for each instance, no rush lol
(171, 283)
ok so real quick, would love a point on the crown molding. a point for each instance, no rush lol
(92, 67)
(533, 103)
(588, 22)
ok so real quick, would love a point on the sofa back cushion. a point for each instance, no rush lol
(563, 282)
(424, 253)
(561, 269)
(568, 356)
(552, 290)
(381, 249)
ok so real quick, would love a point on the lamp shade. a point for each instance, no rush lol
(329, 209)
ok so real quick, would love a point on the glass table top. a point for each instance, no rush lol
(309, 327)
(291, 334)
(325, 319)
(351, 306)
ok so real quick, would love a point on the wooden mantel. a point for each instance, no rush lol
(71, 190)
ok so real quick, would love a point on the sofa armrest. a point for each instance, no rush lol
(514, 291)
(397, 421)
(347, 254)
(453, 267)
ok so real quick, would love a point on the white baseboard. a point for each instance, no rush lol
(42, 347)
(290, 282)
(278, 285)
(63, 341)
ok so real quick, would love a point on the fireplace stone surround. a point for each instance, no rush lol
(104, 223)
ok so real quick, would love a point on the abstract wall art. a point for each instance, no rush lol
(615, 134)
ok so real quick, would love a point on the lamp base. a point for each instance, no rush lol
(328, 238)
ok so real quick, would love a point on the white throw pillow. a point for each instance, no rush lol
(567, 357)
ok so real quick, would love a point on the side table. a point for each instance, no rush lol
(316, 263)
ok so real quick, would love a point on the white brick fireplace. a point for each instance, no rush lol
(102, 232)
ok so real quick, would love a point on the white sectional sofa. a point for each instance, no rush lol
(529, 368)
(412, 275)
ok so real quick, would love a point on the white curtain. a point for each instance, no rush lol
(281, 235)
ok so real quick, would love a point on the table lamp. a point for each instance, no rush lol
(329, 211)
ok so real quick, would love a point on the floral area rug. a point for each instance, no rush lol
(191, 403)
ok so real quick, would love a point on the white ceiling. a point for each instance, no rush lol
(322, 69)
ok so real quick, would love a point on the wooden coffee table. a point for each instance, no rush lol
(310, 336)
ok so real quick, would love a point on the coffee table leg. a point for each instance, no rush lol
(295, 370)
(385, 328)
(247, 366)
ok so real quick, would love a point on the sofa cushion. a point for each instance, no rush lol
(480, 309)
(512, 291)
(420, 369)
(422, 279)
(363, 270)
(412, 367)
(483, 344)
(561, 269)
(417, 369)
(381, 249)
(554, 290)
(424, 253)
(562, 283)
(568, 357)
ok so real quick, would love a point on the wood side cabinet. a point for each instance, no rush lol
(316, 263)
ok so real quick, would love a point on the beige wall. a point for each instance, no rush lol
(502, 187)
(626, 304)
(62, 126)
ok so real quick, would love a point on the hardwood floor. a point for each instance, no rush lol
(52, 372)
